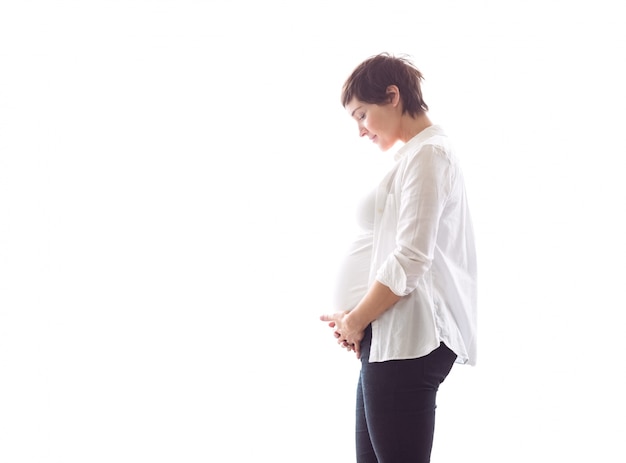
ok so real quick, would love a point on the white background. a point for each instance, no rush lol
(177, 182)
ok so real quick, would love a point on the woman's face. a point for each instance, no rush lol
(379, 123)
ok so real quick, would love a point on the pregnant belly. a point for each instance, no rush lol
(353, 275)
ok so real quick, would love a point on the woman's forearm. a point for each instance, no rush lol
(377, 301)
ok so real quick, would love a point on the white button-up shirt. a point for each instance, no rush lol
(424, 250)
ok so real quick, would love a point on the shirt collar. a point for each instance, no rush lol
(414, 143)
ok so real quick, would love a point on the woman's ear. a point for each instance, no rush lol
(393, 95)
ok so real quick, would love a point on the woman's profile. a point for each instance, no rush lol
(406, 294)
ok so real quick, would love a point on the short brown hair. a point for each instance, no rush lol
(369, 81)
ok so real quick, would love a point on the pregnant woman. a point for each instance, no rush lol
(407, 289)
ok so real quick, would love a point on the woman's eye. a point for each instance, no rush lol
(362, 116)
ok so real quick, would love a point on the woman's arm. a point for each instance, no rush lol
(350, 325)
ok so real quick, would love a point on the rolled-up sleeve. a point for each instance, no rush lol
(425, 183)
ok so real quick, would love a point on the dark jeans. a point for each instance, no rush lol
(395, 409)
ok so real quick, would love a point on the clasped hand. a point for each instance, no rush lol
(345, 330)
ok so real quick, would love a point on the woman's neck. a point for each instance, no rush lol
(411, 126)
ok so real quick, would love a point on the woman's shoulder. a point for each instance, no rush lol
(432, 150)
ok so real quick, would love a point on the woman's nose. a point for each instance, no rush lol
(362, 131)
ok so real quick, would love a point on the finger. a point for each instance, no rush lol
(329, 318)
(347, 345)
